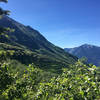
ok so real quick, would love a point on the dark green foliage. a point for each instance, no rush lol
(20, 82)
(79, 82)
(6, 78)
(89, 51)
(4, 12)
(4, 1)
(3, 30)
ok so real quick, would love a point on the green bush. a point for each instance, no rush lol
(80, 82)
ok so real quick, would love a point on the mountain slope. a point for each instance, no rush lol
(91, 52)
(31, 46)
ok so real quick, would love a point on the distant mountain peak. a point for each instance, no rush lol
(91, 52)
(87, 46)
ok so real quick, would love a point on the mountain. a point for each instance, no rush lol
(91, 52)
(29, 46)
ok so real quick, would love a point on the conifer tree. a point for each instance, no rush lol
(3, 30)
(4, 12)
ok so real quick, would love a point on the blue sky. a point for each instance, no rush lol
(65, 23)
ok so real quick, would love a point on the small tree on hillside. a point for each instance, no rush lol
(4, 12)
(4, 30)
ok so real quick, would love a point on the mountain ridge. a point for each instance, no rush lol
(91, 52)
(30, 40)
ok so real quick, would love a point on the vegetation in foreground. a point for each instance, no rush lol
(20, 82)
(79, 82)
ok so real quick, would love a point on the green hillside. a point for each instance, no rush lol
(29, 46)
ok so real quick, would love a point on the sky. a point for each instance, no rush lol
(65, 23)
